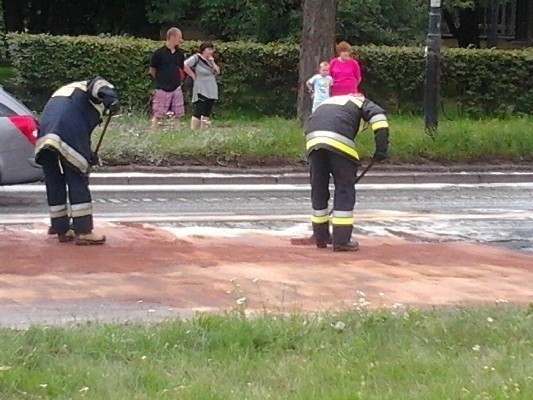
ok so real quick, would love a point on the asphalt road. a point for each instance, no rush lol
(501, 213)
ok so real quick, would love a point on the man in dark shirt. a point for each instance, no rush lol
(164, 67)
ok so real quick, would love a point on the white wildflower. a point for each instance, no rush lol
(362, 302)
(489, 319)
(476, 347)
(338, 325)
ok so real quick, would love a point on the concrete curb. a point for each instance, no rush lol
(303, 178)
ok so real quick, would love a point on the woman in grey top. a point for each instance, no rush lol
(205, 88)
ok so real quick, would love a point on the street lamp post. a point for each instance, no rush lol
(433, 57)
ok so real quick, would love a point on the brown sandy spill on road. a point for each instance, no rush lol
(147, 263)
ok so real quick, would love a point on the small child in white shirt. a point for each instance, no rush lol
(319, 85)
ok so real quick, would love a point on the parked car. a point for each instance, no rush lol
(18, 134)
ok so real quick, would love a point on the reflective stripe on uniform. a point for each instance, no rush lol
(378, 121)
(344, 99)
(333, 143)
(331, 135)
(81, 210)
(320, 219)
(342, 218)
(72, 156)
(99, 84)
(333, 139)
(320, 216)
(67, 90)
(320, 213)
(377, 118)
(58, 211)
(379, 125)
(99, 107)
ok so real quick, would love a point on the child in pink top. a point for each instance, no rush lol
(345, 71)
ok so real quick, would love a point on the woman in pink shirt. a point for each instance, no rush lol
(345, 71)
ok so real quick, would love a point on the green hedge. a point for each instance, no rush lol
(263, 78)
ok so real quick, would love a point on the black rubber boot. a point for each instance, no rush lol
(69, 236)
(321, 235)
(350, 246)
(324, 244)
(88, 239)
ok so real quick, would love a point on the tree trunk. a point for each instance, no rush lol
(492, 32)
(316, 45)
(14, 12)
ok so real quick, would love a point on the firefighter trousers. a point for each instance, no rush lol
(62, 178)
(323, 164)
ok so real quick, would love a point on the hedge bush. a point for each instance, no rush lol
(263, 78)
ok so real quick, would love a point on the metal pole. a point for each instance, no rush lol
(433, 68)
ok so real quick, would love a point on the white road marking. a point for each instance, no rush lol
(269, 188)
(373, 215)
(218, 175)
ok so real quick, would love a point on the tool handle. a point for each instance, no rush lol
(102, 135)
(365, 171)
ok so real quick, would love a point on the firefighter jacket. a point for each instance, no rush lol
(335, 123)
(68, 119)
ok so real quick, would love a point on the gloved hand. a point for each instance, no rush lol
(379, 156)
(381, 137)
(113, 108)
(95, 160)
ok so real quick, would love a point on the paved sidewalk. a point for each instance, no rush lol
(373, 177)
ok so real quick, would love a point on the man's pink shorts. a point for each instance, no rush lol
(163, 102)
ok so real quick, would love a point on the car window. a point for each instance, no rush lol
(5, 111)
(11, 103)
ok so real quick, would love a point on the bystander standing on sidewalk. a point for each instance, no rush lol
(164, 67)
(205, 88)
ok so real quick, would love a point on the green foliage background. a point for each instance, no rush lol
(262, 78)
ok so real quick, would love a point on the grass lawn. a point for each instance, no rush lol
(468, 353)
(6, 73)
(271, 141)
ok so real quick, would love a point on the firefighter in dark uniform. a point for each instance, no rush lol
(330, 137)
(63, 149)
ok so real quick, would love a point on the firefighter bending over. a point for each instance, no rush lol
(64, 150)
(330, 137)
